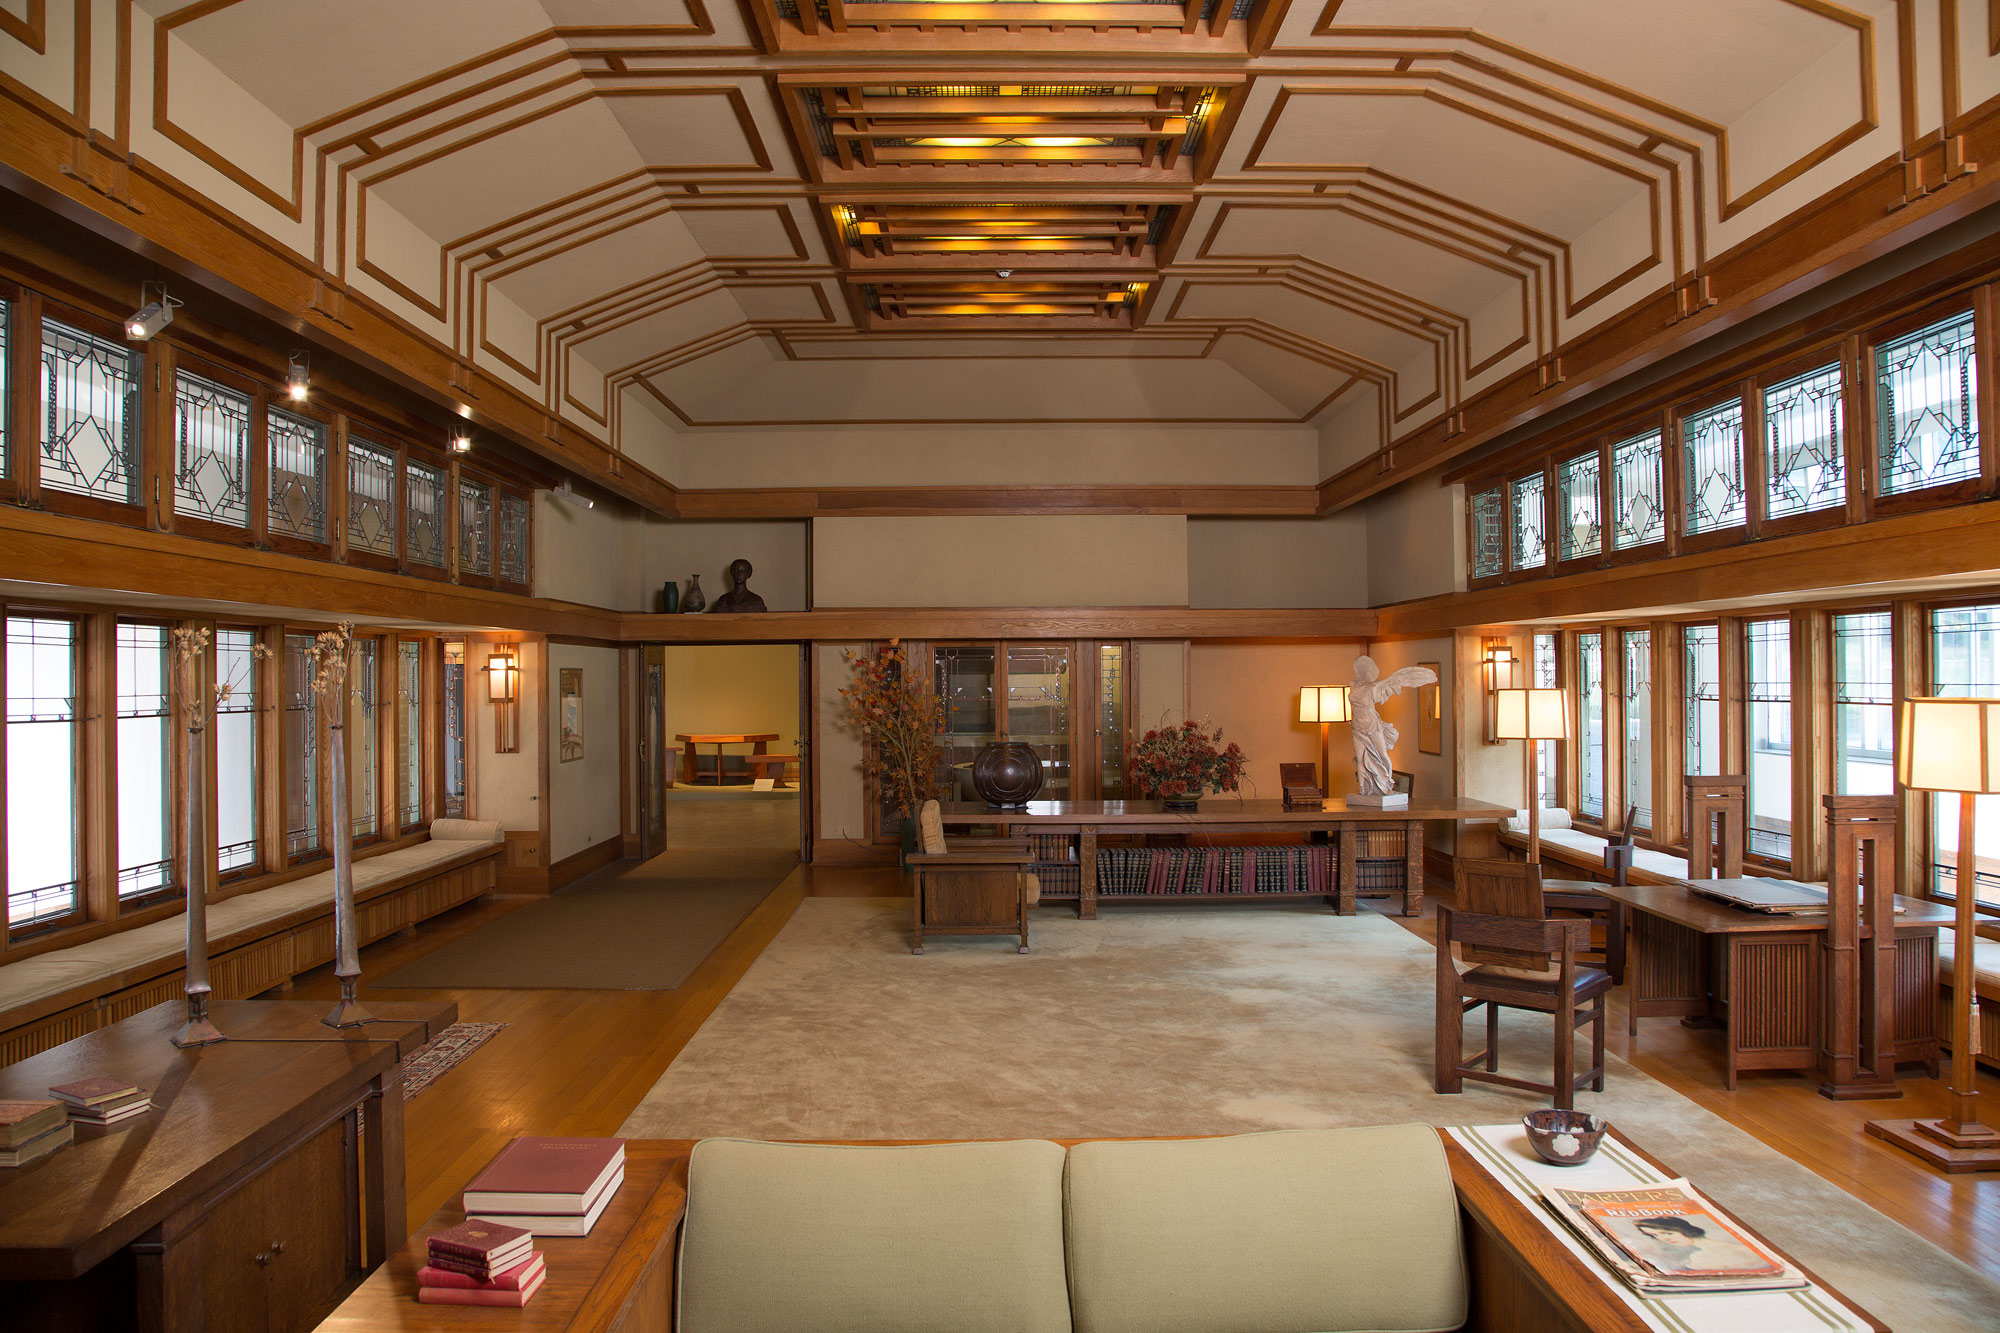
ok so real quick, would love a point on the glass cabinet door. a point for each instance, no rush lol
(964, 677)
(1111, 722)
(1038, 710)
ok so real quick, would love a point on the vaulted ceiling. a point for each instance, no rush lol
(1348, 214)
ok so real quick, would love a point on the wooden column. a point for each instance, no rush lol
(1712, 801)
(1858, 958)
(1669, 733)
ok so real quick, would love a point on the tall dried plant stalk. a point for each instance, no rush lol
(900, 721)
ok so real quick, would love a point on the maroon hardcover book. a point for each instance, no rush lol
(529, 1270)
(545, 1176)
(473, 1268)
(466, 1296)
(480, 1242)
(21, 1121)
(94, 1091)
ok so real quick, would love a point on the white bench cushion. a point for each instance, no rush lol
(1591, 846)
(785, 1237)
(1328, 1230)
(1985, 961)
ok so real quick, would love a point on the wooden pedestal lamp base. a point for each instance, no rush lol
(1934, 1141)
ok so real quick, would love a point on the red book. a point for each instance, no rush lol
(474, 1269)
(468, 1296)
(93, 1091)
(545, 1176)
(489, 1244)
(523, 1274)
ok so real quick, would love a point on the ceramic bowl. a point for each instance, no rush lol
(1566, 1138)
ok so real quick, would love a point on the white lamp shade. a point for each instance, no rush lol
(1949, 745)
(500, 671)
(1530, 715)
(1324, 703)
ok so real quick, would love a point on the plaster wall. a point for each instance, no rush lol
(1114, 560)
(1278, 562)
(672, 549)
(838, 769)
(506, 787)
(584, 794)
(1251, 690)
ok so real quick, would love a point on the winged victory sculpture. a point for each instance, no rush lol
(1373, 737)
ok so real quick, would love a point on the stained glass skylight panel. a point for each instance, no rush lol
(298, 476)
(510, 539)
(43, 873)
(1712, 468)
(1926, 408)
(1638, 514)
(371, 498)
(90, 415)
(1579, 507)
(1530, 522)
(211, 451)
(475, 528)
(423, 496)
(1488, 526)
(1805, 459)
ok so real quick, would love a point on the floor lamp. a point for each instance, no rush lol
(1326, 705)
(1953, 745)
(1528, 716)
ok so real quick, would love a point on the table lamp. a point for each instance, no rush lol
(1326, 705)
(1530, 715)
(1953, 745)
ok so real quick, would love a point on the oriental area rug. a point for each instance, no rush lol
(1186, 1020)
(438, 1056)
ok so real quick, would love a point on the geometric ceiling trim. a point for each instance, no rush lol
(857, 28)
(959, 232)
(30, 29)
(820, 345)
(960, 302)
(291, 205)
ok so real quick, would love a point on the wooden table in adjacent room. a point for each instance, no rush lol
(1220, 817)
(1757, 975)
(266, 1180)
(690, 758)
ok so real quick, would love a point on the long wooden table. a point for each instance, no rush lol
(690, 762)
(1757, 975)
(266, 1180)
(1218, 817)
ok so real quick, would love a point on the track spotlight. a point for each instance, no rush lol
(568, 494)
(296, 387)
(152, 315)
(461, 443)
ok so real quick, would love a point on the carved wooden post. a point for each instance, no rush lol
(1858, 1030)
(1712, 799)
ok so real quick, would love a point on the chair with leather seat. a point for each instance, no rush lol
(1497, 948)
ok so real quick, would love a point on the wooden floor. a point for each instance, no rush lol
(578, 1062)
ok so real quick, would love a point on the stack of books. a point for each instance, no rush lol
(32, 1129)
(104, 1101)
(551, 1187)
(1666, 1240)
(481, 1263)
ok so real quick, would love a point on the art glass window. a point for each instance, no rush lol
(1579, 507)
(510, 540)
(1864, 705)
(454, 730)
(301, 746)
(1712, 468)
(6, 386)
(1590, 729)
(1638, 515)
(297, 448)
(211, 451)
(363, 752)
(43, 861)
(1531, 520)
(1965, 663)
(1638, 726)
(145, 765)
(90, 415)
(1926, 408)
(1805, 461)
(371, 498)
(410, 732)
(1701, 699)
(1489, 524)
(1545, 646)
(475, 527)
(236, 765)
(423, 493)
(1768, 666)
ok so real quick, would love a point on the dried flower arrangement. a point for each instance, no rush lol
(186, 646)
(1178, 765)
(326, 667)
(900, 721)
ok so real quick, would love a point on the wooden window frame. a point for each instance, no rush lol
(1920, 808)
(527, 498)
(260, 861)
(461, 475)
(1511, 574)
(1667, 429)
(1475, 580)
(174, 797)
(80, 913)
(21, 400)
(151, 356)
(1762, 525)
(1558, 459)
(1691, 543)
(188, 525)
(446, 469)
(1876, 504)
(391, 443)
(285, 542)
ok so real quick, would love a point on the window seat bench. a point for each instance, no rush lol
(1985, 988)
(256, 940)
(1573, 849)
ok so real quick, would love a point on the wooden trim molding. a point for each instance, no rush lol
(860, 624)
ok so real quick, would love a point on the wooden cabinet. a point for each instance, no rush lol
(278, 1250)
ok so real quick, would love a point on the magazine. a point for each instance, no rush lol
(1667, 1238)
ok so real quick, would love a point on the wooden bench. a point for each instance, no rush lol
(786, 764)
(257, 941)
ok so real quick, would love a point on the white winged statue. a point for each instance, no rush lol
(1372, 736)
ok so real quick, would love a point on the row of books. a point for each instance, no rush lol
(534, 1187)
(1202, 870)
(30, 1130)
(1666, 1239)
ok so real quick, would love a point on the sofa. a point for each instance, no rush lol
(1311, 1231)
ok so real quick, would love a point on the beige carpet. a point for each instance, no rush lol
(645, 929)
(1192, 1020)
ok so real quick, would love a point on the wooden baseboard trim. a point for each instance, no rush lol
(578, 864)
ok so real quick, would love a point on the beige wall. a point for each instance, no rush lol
(1416, 541)
(674, 549)
(506, 787)
(1278, 562)
(1163, 684)
(1485, 772)
(838, 757)
(1436, 774)
(584, 793)
(750, 688)
(1252, 692)
(1114, 560)
(589, 555)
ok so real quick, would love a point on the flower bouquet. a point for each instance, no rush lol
(1180, 764)
(900, 723)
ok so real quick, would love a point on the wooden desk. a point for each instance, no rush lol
(1757, 974)
(1581, 896)
(255, 1194)
(1221, 815)
(689, 762)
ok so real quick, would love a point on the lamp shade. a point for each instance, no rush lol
(1949, 745)
(500, 675)
(1324, 703)
(1530, 715)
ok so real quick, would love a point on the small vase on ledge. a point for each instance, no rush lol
(670, 598)
(696, 600)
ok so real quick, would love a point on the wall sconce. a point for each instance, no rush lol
(503, 688)
(1326, 705)
(1496, 673)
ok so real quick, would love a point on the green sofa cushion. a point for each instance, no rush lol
(1300, 1231)
(789, 1237)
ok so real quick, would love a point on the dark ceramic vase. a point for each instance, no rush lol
(1184, 805)
(1007, 774)
(696, 599)
(670, 598)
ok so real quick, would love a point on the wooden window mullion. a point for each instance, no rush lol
(97, 779)
(1909, 631)
(1812, 739)
(1669, 724)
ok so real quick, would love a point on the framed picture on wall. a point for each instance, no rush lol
(569, 712)
(1430, 713)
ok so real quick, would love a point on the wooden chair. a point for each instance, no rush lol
(1518, 960)
(974, 888)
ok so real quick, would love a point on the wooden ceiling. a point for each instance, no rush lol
(1394, 226)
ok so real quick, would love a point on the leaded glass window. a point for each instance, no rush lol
(301, 747)
(145, 727)
(1579, 507)
(1590, 734)
(371, 498)
(1638, 515)
(1701, 699)
(1545, 751)
(90, 415)
(362, 751)
(1965, 664)
(43, 862)
(211, 451)
(1926, 408)
(510, 549)
(1488, 528)
(1769, 731)
(423, 496)
(454, 730)
(1864, 711)
(6, 407)
(1531, 520)
(236, 766)
(1639, 726)
(1712, 467)
(410, 732)
(1805, 462)
(475, 527)
(298, 476)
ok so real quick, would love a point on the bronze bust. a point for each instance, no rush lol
(739, 597)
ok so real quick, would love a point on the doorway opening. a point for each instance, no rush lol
(725, 747)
